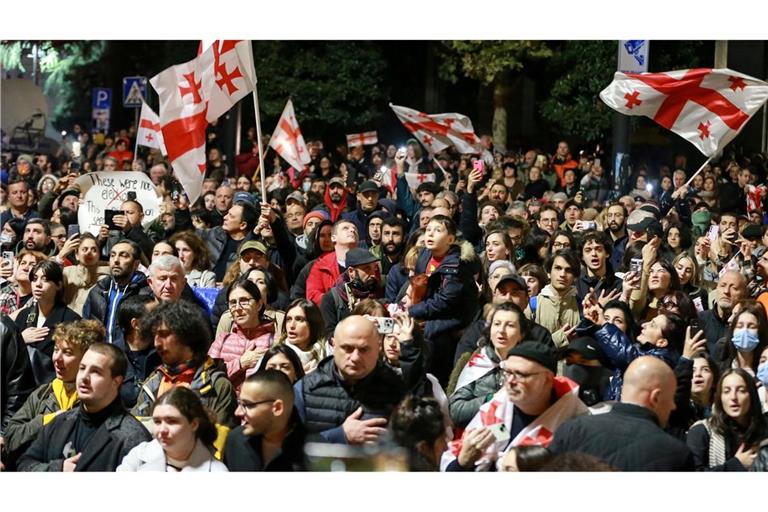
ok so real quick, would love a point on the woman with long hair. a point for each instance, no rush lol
(419, 426)
(194, 257)
(283, 358)
(184, 433)
(80, 278)
(252, 333)
(302, 331)
(689, 273)
(477, 376)
(17, 291)
(746, 338)
(729, 439)
(37, 320)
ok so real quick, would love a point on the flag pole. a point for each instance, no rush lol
(258, 131)
(699, 171)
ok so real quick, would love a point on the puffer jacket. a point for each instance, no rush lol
(464, 403)
(554, 311)
(620, 352)
(451, 301)
(230, 346)
(323, 276)
(210, 383)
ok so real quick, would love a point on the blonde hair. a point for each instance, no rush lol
(81, 334)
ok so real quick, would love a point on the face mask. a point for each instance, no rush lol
(5, 239)
(745, 340)
(762, 373)
(306, 186)
(589, 380)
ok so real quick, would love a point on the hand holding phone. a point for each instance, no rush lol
(479, 165)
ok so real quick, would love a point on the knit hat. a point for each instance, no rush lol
(314, 214)
(536, 352)
(499, 264)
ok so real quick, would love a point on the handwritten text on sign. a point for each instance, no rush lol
(107, 190)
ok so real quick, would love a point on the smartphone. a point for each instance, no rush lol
(695, 328)
(636, 265)
(73, 230)
(131, 196)
(588, 224)
(109, 218)
(713, 232)
(8, 256)
(499, 431)
(385, 325)
(479, 165)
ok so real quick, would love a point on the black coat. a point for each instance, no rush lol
(96, 305)
(474, 332)
(17, 379)
(243, 453)
(628, 438)
(105, 450)
(714, 328)
(41, 353)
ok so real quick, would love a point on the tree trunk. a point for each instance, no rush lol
(499, 125)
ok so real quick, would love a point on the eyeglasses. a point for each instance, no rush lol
(242, 303)
(561, 245)
(250, 405)
(518, 376)
(669, 304)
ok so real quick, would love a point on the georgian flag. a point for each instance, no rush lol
(539, 432)
(288, 141)
(438, 131)
(415, 179)
(361, 139)
(195, 93)
(707, 107)
(477, 366)
(149, 133)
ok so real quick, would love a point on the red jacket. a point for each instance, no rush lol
(322, 277)
(335, 210)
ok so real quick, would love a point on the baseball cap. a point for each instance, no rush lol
(583, 345)
(24, 158)
(242, 197)
(252, 244)
(295, 196)
(357, 256)
(368, 186)
(69, 192)
(513, 278)
(536, 352)
(336, 181)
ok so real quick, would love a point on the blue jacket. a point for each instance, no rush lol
(451, 301)
(620, 351)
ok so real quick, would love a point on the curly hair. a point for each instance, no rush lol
(202, 259)
(185, 320)
(81, 334)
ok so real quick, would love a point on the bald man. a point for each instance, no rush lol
(350, 395)
(631, 436)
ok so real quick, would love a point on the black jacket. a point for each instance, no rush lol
(472, 334)
(105, 450)
(17, 379)
(324, 400)
(97, 303)
(698, 441)
(243, 453)
(628, 438)
(714, 328)
(41, 353)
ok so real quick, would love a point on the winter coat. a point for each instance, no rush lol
(150, 456)
(106, 448)
(211, 384)
(451, 300)
(230, 346)
(96, 305)
(243, 453)
(322, 277)
(554, 311)
(714, 328)
(201, 279)
(474, 332)
(713, 451)
(41, 353)
(620, 351)
(396, 279)
(628, 438)
(18, 380)
(465, 401)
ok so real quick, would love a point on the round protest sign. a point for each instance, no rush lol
(105, 191)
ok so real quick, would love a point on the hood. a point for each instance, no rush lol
(550, 292)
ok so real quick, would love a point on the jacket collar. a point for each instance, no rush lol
(635, 411)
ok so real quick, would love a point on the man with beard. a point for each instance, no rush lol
(124, 281)
(336, 198)
(37, 237)
(367, 203)
(361, 280)
(392, 243)
(731, 288)
(616, 217)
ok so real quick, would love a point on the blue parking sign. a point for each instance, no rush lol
(134, 91)
(102, 98)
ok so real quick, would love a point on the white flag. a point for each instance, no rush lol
(415, 179)
(149, 133)
(707, 107)
(362, 139)
(288, 141)
(438, 131)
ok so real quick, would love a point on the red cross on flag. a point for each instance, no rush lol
(438, 131)
(195, 93)
(288, 141)
(707, 107)
(361, 139)
(415, 179)
(149, 133)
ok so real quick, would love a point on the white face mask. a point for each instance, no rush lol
(306, 186)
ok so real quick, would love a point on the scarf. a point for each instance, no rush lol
(174, 375)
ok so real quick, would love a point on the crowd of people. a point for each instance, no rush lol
(515, 311)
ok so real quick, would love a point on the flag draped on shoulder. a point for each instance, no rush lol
(195, 93)
(707, 107)
(288, 141)
(438, 131)
(148, 132)
(539, 432)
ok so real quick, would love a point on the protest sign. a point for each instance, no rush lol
(106, 190)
